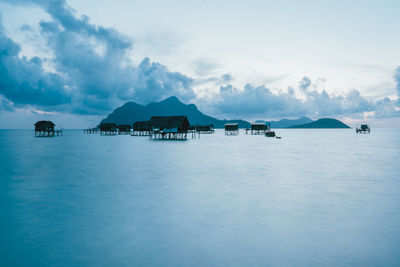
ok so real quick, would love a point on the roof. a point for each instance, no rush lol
(107, 126)
(124, 126)
(141, 126)
(231, 124)
(44, 123)
(170, 122)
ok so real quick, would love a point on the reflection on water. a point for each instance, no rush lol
(314, 197)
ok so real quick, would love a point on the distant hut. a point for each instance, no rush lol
(259, 128)
(204, 129)
(141, 128)
(169, 127)
(363, 129)
(44, 129)
(107, 128)
(231, 128)
(124, 129)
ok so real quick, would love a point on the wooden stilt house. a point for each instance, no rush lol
(363, 129)
(124, 129)
(141, 128)
(231, 128)
(44, 129)
(204, 129)
(169, 127)
(259, 128)
(107, 128)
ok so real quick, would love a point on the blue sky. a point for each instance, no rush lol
(234, 59)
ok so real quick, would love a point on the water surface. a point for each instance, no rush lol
(313, 198)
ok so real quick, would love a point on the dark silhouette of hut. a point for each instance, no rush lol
(124, 129)
(107, 128)
(141, 128)
(259, 128)
(204, 129)
(169, 127)
(44, 129)
(231, 128)
(363, 129)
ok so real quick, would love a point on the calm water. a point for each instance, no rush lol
(313, 198)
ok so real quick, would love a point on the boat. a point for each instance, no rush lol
(270, 134)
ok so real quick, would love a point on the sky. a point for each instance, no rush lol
(75, 61)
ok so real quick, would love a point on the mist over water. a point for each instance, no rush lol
(314, 197)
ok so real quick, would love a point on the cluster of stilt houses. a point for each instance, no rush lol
(165, 128)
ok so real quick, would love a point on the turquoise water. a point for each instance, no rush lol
(312, 198)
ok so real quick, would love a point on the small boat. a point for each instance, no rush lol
(270, 134)
(278, 137)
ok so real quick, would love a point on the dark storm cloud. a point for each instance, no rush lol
(23, 81)
(92, 67)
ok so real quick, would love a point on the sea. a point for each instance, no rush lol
(315, 197)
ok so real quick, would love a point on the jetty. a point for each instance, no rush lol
(169, 128)
(231, 128)
(46, 129)
(364, 129)
(107, 128)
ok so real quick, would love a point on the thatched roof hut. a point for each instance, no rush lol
(170, 123)
(142, 126)
(108, 127)
(259, 126)
(124, 128)
(44, 126)
(205, 128)
(231, 126)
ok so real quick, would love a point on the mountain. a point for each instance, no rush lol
(286, 123)
(131, 112)
(322, 123)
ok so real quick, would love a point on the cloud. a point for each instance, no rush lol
(397, 79)
(23, 81)
(260, 101)
(92, 71)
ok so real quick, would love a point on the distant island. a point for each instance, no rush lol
(322, 123)
(131, 112)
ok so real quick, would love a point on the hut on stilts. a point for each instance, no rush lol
(124, 129)
(231, 128)
(204, 129)
(259, 128)
(46, 129)
(364, 129)
(107, 128)
(141, 128)
(169, 128)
